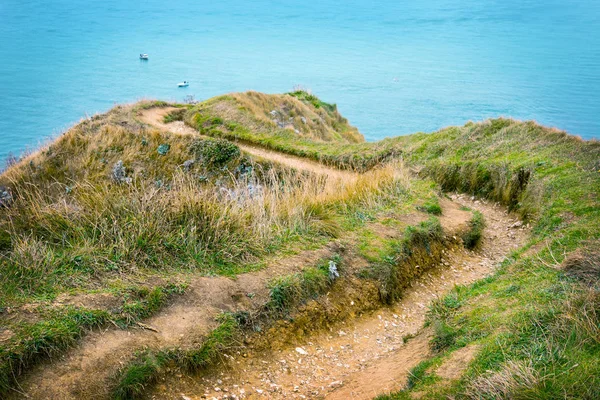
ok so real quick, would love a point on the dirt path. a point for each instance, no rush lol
(364, 357)
(154, 117)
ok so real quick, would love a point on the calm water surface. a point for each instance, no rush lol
(393, 67)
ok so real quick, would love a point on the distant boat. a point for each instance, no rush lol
(143, 56)
(183, 84)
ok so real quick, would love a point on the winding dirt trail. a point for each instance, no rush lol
(365, 357)
(341, 364)
(155, 117)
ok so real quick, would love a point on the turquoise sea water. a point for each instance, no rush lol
(393, 67)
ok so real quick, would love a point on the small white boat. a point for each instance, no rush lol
(183, 84)
(143, 56)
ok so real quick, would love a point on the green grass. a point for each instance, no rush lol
(431, 206)
(472, 237)
(71, 227)
(288, 291)
(32, 342)
(208, 117)
(60, 328)
(175, 115)
(313, 100)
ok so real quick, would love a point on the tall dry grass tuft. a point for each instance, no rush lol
(504, 383)
(584, 263)
(580, 318)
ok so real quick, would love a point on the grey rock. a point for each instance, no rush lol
(333, 271)
(188, 165)
(163, 149)
(119, 173)
(6, 197)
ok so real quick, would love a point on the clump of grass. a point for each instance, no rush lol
(288, 291)
(420, 374)
(216, 152)
(513, 380)
(175, 115)
(143, 302)
(584, 263)
(222, 339)
(313, 100)
(472, 237)
(444, 336)
(438, 316)
(139, 374)
(431, 206)
(420, 246)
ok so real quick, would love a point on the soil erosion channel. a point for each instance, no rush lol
(367, 356)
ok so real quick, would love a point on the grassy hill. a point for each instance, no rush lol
(120, 210)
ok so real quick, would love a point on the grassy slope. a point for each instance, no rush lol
(538, 328)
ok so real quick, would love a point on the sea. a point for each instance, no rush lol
(392, 67)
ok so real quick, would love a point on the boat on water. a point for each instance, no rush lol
(143, 56)
(183, 84)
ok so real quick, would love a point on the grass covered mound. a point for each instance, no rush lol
(536, 322)
(298, 114)
(113, 196)
(296, 123)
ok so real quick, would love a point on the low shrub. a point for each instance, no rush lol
(472, 237)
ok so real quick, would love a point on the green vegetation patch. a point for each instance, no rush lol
(431, 206)
(535, 321)
(60, 329)
(216, 152)
(33, 342)
(472, 237)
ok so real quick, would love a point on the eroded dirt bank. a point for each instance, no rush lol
(360, 358)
